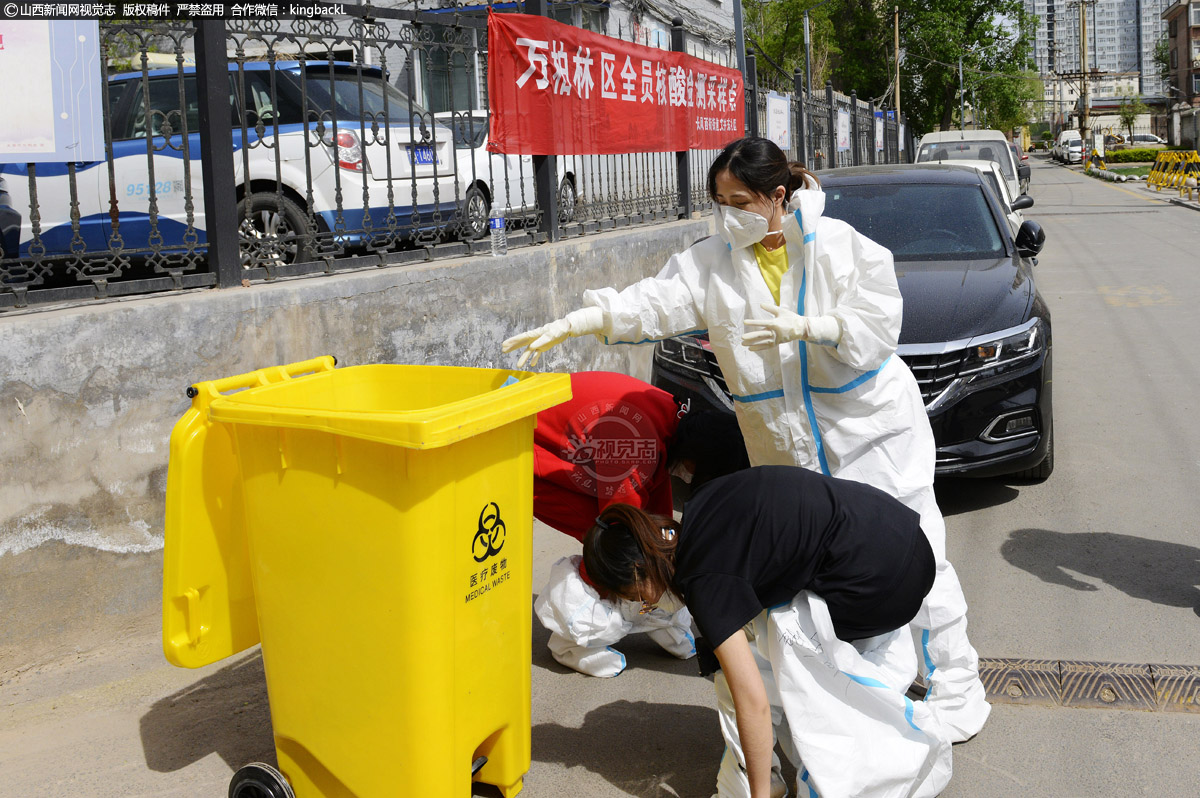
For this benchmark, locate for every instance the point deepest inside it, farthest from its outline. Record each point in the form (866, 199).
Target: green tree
(994, 38)
(1130, 109)
(850, 42)
(1162, 56)
(775, 28)
(862, 60)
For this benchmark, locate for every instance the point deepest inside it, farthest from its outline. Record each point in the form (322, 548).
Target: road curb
(1182, 203)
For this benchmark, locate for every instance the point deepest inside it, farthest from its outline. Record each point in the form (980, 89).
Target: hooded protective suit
(851, 410)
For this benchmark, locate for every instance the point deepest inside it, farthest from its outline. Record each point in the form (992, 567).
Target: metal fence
(355, 142)
(815, 138)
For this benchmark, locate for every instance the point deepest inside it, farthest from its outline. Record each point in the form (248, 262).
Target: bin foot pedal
(477, 764)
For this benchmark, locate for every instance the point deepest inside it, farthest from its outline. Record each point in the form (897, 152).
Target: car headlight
(985, 358)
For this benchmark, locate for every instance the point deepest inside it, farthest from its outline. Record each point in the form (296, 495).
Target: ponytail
(801, 178)
(627, 546)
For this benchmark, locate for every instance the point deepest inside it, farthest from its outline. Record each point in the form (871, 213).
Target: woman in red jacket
(615, 442)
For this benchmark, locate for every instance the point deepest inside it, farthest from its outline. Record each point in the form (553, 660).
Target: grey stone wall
(88, 397)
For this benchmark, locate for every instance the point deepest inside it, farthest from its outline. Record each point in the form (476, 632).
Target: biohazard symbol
(489, 538)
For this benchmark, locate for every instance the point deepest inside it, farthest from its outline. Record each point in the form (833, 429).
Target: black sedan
(976, 332)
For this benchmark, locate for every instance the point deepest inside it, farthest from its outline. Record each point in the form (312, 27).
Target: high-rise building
(1121, 36)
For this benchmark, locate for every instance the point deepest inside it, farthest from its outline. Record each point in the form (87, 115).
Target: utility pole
(807, 46)
(896, 20)
(807, 54)
(740, 36)
(1083, 69)
(962, 98)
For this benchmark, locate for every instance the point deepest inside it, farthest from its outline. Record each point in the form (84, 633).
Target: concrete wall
(88, 397)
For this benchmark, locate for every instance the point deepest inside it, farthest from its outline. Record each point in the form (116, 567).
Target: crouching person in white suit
(616, 441)
(805, 585)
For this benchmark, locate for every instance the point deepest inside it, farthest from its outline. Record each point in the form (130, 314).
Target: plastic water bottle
(499, 233)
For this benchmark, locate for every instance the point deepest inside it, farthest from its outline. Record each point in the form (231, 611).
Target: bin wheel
(259, 780)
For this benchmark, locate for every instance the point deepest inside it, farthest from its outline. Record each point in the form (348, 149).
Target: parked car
(485, 178)
(976, 332)
(1145, 140)
(1024, 171)
(973, 145)
(1068, 147)
(372, 162)
(10, 223)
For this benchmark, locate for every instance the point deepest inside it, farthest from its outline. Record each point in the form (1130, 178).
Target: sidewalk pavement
(120, 721)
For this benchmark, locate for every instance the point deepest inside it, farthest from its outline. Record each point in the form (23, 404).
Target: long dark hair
(627, 546)
(761, 166)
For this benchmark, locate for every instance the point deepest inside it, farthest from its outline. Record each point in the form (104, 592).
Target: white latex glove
(586, 321)
(790, 326)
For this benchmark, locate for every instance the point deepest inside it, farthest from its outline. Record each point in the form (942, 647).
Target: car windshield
(994, 151)
(920, 221)
(340, 94)
(469, 130)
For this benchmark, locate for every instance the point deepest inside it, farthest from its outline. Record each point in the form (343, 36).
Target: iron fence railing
(357, 141)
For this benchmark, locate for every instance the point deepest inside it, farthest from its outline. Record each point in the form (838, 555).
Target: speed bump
(1107, 684)
(1093, 685)
(1177, 687)
(1022, 681)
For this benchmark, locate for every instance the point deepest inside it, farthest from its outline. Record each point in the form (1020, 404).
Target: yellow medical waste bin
(372, 526)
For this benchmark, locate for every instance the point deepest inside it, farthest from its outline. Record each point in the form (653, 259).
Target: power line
(982, 72)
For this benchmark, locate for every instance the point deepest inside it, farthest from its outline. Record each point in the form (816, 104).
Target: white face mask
(681, 471)
(740, 228)
(669, 603)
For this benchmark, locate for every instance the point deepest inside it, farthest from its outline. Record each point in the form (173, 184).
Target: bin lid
(208, 597)
(209, 611)
(416, 407)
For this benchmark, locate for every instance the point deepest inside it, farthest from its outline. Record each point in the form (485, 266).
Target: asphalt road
(1099, 563)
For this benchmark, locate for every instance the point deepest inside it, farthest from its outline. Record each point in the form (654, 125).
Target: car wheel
(1042, 471)
(566, 201)
(273, 231)
(476, 210)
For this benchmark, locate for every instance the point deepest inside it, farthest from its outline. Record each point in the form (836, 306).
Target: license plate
(422, 155)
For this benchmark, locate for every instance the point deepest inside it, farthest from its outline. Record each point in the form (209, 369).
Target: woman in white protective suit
(803, 584)
(803, 315)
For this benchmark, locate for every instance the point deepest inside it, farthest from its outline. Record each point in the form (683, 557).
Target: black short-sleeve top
(755, 539)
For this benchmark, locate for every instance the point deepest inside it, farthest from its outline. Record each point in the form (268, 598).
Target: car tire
(566, 201)
(272, 228)
(1042, 471)
(476, 211)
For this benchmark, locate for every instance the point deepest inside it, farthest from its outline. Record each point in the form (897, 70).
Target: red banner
(555, 89)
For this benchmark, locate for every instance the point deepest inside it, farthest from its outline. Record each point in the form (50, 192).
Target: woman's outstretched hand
(586, 321)
(786, 325)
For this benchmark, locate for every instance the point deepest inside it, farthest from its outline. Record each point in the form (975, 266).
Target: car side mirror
(1022, 202)
(1030, 238)
(1023, 171)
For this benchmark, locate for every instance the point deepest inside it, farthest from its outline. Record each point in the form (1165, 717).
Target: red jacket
(607, 445)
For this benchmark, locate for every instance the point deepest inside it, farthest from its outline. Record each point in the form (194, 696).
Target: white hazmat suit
(584, 627)
(851, 410)
(839, 710)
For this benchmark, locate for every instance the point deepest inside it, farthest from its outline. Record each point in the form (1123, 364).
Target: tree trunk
(948, 99)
